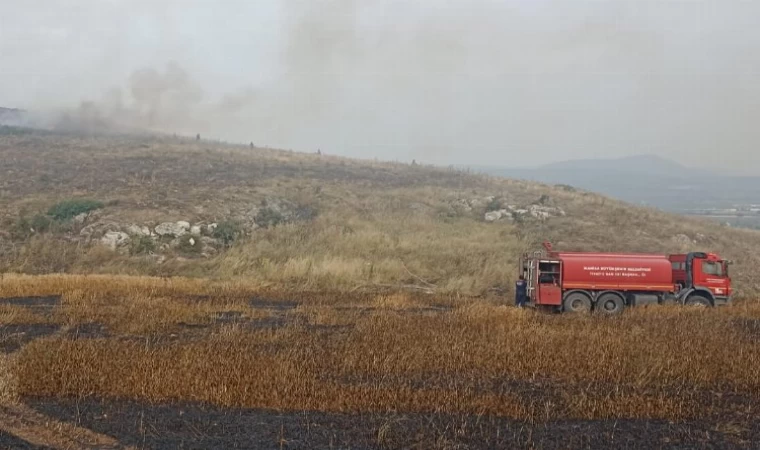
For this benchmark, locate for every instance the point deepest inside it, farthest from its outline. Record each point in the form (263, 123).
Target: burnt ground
(201, 427)
(12, 442)
(195, 426)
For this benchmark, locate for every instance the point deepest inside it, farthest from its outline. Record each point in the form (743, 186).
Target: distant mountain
(644, 164)
(644, 179)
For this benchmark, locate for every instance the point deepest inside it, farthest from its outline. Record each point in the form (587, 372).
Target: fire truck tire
(609, 304)
(698, 300)
(577, 302)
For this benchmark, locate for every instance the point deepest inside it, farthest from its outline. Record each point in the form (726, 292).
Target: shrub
(228, 231)
(25, 226)
(71, 208)
(40, 223)
(143, 245)
(268, 217)
(494, 205)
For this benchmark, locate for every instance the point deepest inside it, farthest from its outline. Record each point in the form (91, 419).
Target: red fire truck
(609, 282)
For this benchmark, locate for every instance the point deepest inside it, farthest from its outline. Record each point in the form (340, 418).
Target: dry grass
(8, 380)
(393, 353)
(380, 225)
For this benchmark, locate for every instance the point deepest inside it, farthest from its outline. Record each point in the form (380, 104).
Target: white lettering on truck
(614, 271)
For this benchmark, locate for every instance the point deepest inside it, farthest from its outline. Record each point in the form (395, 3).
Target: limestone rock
(136, 230)
(502, 214)
(115, 239)
(175, 229)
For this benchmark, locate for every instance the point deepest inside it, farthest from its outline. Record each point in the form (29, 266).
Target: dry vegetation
(236, 346)
(378, 225)
(379, 305)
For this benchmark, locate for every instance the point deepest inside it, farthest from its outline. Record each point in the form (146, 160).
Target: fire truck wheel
(698, 300)
(610, 304)
(577, 302)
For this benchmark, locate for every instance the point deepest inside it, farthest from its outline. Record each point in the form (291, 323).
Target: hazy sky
(505, 82)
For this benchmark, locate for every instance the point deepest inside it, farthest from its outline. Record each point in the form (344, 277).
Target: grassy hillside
(304, 221)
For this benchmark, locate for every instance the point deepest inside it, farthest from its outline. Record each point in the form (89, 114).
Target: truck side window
(712, 268)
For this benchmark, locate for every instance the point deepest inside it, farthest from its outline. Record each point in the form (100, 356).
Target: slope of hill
(174, 206)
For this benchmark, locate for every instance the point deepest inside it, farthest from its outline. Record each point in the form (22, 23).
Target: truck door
(713, 276)
(549, 283)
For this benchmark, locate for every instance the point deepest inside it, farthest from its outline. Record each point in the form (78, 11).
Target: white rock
(136, 230)
(195, 230)
(172, 229)
(545, 212)
(115, 239)
(80, 218)
(493, 216)
(506, 214)
(191, 242)
(210, 228)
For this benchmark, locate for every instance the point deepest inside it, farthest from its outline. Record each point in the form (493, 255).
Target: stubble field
(373, 369)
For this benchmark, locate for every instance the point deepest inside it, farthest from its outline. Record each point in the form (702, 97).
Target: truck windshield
(712, 268)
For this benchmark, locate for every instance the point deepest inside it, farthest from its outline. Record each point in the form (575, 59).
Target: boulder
(543, 212)
(195, 230)
(211, 228)
(493, 216)
(135, 230)
(461, 204)
(115, 239)
(175, 229)
(86, 217)
(98, 229)
(210, 246)
(502, 214)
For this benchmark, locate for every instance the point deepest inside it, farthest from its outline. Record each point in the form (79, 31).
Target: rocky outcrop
(542, 212)
(502, 214)
(136, 230)
(173, 229)
(115, 239)
(534, 211)
(98, 230)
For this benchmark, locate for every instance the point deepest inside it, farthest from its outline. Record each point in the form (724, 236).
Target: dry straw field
(386, 311)
(179, 341)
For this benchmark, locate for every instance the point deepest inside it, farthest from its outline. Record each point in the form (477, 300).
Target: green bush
(494, 205)
(71, 208)
(228, 231)
(143, 245)
(268, 217)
